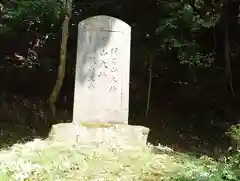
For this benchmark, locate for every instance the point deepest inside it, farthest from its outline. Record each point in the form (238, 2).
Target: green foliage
(179, 28)
(229, 169)
(36, 20)
(31, 14)
(234, 132)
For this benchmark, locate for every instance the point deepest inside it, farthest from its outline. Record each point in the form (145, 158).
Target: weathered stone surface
(112, 135)
(102, 70)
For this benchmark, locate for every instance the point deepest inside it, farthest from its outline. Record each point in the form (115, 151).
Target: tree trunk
(228, 68)
(149, 83)
(62, 65)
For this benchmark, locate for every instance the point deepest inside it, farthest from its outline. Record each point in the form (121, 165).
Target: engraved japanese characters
(107, 67)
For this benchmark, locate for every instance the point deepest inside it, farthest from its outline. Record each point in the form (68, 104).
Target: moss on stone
(97, 124)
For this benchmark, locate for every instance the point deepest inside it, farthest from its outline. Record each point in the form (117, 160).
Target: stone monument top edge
(98, 18)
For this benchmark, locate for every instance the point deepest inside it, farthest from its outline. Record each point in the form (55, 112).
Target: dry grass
(53, 161)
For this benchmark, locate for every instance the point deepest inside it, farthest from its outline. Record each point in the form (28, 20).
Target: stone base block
(114, 135)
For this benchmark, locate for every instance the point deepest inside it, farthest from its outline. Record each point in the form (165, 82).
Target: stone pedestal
(112, 135)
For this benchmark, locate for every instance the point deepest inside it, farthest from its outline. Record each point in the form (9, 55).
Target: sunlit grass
(53, 161)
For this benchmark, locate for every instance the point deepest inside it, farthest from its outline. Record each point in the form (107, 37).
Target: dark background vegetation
(192, 103)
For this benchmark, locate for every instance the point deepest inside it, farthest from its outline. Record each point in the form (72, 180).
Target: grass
(53, 161)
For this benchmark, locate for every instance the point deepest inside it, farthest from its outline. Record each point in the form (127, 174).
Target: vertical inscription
(113, 70)
(102, 63)
(91, 70)
(91, 80)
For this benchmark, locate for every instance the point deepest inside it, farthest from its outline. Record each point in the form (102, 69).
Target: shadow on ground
(187, 134)
(12, 134)
(22, 120)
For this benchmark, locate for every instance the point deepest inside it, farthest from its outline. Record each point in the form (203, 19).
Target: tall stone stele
(102, 71)
(101, 93)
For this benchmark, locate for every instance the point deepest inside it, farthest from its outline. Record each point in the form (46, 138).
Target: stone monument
(102, 71)
(101, 93)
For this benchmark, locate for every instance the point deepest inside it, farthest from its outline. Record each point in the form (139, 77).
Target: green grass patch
(53, 161)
